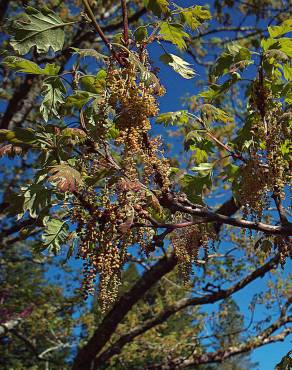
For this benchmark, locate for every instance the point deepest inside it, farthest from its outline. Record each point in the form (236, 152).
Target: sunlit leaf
(94, 84)
(194, 16)
(284, 44)
(26, 66)
(205, 167)
(179, 65)
(173, 118)
(55, 234)
(174, 33)
(214, 113)
(280, 30)
(90, 53)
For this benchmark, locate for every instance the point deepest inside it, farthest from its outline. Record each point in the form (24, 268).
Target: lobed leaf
(280, 30)
(214, 113)
(194, 16)
(235, 57)
(174, 33)
(53, 92)
(55, 234)
(90, 53)
(179, 65)
(173, 118)
(42, 29)
(65, 177)
(27, 66)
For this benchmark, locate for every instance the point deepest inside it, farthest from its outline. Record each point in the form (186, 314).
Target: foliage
(89, 177)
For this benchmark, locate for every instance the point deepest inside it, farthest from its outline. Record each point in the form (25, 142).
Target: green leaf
(33, 199)
(55, 234)
(65, 177)
(174, 33)
(231, 171)
(285, 27)
(214, 113)
(216, 90)
(140, 34)
(194, 16)
(200, 155)
(42, 29)
(90, 53)
(173, 118)
(53, 92)
(26, 66)
(179, 65)
(235, 57)
(158, 7)
(203, 167)
(284, 44)
(76, 135)
(287, 70)
(20, 136)
(94, 84)
(193, 186)
(78, 99)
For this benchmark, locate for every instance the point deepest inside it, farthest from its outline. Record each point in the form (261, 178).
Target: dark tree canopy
(168, 212)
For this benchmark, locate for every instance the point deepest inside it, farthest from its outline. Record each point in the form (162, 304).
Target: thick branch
(181, 304)
(86, 355)
(172, 203)
(229, 208)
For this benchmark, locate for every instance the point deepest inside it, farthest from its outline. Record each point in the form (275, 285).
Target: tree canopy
(168, 212)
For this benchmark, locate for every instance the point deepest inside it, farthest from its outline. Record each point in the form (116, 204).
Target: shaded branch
(86, 355)
(100, 32)
(125, 22)
(265, 337)
(183, 303)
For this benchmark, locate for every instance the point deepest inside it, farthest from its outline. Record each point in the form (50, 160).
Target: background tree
(80, 96)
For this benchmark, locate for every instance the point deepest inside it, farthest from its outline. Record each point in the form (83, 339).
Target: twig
(100, 32)
(280, 208)
(125, 22)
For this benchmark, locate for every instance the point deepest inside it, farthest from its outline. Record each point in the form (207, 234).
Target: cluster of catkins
(105, 223)
(134, 102)
(267, 170)
(187, 243)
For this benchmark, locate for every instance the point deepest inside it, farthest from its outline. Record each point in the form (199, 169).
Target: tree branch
(100, 32)
(181, 304)
(260, 340)
(171, 202)
(125, 22)
(86, 355)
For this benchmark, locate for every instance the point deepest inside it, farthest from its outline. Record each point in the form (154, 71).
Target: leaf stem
(91, 16)
(125, 22)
